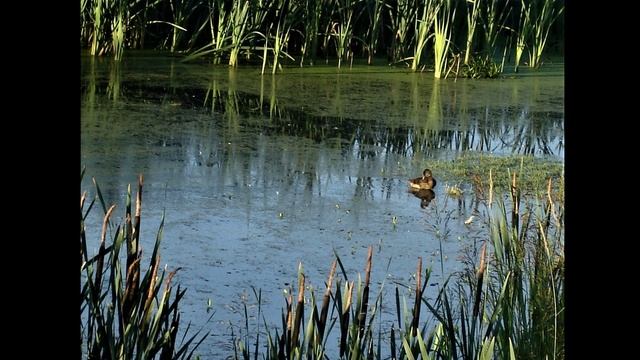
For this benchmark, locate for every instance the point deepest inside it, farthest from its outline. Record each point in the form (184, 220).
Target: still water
(258, 173)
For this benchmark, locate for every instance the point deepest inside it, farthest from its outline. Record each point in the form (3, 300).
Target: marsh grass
(402, 17)
(443, 28)
(533, 173)
(473, 16)
(546, 12)
(424, 23)
(135, 316)
(243, 30)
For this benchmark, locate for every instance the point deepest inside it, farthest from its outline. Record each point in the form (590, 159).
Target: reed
(312, 13)
(523, 31)
(494, 18)
(181, 11)
(243, 30)
(97, 46)
(402, 17)
(442, 32)
(542, 20)
(239, 30)
(134, 316)
(430, 9)
(473, 15)
(342, 29)
(372, 36)
(119, 27)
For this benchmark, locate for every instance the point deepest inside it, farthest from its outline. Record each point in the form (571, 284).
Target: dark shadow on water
(425, 196)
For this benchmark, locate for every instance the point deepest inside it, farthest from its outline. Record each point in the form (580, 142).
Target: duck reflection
(425, 196)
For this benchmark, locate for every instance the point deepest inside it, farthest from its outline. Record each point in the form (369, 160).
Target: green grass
(533, 173)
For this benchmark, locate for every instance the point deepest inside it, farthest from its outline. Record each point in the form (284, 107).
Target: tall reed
(473, 15)
(134, 316)
(430, 9)
(342, 29)
(443, 31)
(181, 11)
(541, 23)
(494, 18)
(119, 28)
(522, 34)
(372, 36)
(402, 18)
(312, 13)
(239, 30)
(97, 34)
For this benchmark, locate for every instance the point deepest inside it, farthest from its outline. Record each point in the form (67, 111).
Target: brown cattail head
(368, 267)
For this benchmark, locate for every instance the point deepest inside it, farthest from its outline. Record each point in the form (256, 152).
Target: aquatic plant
(494, 18)
(480, 68)
(134, 316)
(181, 11)
(292, 29)
(430, 9)
(542, 19)
(443, 31)
(473, 15)
(402, 18)
(372, 36)
(312, 13)
(342, 29)
(239, 30)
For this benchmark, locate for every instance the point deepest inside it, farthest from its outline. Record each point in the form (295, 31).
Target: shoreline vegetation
(508, 303)
(451, 38)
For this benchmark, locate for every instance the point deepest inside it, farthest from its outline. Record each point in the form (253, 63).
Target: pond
(258, 173)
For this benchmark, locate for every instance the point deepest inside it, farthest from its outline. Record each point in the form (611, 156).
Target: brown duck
(425, 182)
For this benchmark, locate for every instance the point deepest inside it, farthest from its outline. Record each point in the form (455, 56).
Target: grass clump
(533, 173)
(480, 67)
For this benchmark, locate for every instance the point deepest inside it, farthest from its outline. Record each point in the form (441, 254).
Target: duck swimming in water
(425, 182)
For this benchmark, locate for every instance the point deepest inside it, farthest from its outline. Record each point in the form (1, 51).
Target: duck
(425, 182)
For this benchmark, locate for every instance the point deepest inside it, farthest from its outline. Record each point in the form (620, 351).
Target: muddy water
(257, 173)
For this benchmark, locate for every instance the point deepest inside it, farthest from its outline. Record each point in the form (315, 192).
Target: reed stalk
(312, 13)
(524, 28)
(135, 316)
(402, 17)
(494, 18)
(374, 10)
(541, 24)
(239, 30)
(342, 29)
(430, 9)
(443, 31)
(473, 15)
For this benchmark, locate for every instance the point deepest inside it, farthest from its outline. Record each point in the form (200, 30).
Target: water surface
(257, 173)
